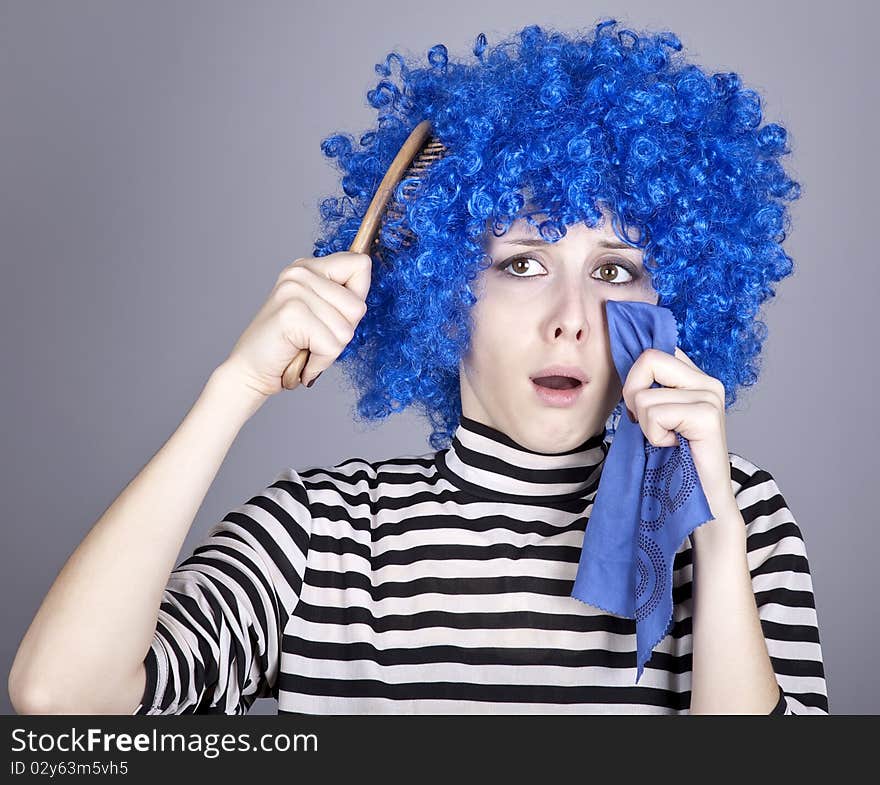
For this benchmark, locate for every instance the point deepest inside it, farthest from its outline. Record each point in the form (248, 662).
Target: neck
(490, 465)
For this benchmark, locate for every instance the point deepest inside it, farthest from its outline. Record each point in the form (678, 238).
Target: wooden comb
(419, 151)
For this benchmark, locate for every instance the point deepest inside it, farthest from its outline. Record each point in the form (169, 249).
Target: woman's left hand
(691, 403)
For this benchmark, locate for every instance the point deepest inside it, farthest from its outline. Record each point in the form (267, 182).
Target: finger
(322, 344)
(692, 419)
(645, 398)
(361, 275)
(684, 358)
(340, 297)
(662, 429)
(324, 312)
(710, 382)
(655, 365)
(352, 270)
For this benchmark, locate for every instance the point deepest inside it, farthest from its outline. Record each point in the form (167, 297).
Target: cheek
(491, 348)
(495, 349)
(638, 294)
(493, 322)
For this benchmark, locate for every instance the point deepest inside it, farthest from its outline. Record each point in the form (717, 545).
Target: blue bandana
(648, 501)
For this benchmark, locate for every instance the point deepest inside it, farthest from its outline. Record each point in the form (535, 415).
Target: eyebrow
(537, 243)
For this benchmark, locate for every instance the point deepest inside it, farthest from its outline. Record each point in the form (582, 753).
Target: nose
(572, 315)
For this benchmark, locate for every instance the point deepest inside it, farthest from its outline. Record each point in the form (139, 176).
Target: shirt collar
(489, 464)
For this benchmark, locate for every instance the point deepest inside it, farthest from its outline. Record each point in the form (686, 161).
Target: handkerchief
(648, 501)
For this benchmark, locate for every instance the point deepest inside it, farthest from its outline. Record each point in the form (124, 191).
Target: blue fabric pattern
(648, 501)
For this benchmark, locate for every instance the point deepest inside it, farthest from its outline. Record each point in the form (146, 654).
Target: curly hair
(561, 124)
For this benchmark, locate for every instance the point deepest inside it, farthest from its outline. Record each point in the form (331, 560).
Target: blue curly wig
(561, 124)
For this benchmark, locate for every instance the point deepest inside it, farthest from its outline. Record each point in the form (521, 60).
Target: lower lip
(561, 398)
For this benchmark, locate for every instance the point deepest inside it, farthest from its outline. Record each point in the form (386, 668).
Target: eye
(518, 261)
(609, 265)
(521, 264)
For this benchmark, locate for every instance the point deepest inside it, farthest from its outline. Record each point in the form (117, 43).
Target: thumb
(352, 270)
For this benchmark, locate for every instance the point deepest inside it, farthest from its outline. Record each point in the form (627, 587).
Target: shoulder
(765, 511)
(751, 482)
(745, 474)
(356, 475)
(755, 489)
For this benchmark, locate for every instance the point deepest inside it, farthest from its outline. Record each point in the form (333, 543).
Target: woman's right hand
(316, 304)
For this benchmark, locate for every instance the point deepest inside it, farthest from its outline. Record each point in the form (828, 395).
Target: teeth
(557, 382)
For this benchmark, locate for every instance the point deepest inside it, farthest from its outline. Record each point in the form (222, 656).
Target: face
(540, 305)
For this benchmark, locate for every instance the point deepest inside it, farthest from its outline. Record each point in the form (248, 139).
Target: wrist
(726, 531)
(225, 384)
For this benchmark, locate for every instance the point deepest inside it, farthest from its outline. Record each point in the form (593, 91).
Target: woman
(580, 171)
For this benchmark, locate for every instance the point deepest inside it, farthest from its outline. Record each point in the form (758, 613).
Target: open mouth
(557, 382)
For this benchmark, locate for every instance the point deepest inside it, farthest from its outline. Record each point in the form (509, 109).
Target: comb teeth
(432, 151)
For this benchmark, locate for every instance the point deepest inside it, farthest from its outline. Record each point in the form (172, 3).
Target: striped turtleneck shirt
(441, 583)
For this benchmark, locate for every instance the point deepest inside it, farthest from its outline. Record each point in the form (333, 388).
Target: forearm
(96, 623)
(732, 672)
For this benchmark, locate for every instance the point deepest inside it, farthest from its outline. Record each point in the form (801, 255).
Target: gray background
(160, 164)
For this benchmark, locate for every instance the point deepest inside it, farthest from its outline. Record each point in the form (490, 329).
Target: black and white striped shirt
(441, 583)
